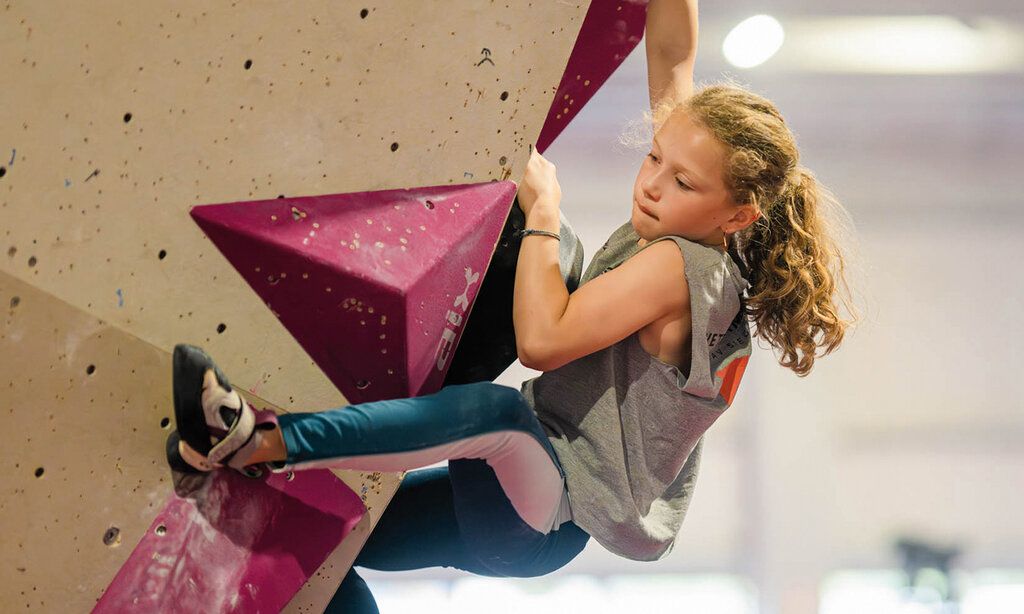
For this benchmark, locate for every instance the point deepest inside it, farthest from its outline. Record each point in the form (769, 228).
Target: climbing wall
(121, 117)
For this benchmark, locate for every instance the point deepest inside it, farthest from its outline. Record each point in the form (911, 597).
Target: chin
(641, 219)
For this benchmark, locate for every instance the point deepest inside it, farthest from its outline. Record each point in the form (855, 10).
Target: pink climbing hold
(610, 31)
(237, 544)
(375, 286)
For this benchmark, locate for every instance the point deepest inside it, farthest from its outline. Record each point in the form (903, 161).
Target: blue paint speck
(11, 163)
(67, 182)
(120, 298)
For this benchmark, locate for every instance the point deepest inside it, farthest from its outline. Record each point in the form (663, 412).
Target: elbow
(528, 357)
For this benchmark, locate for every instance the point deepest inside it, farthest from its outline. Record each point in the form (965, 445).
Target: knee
(493, 404)
(509, 403)
(495, 394)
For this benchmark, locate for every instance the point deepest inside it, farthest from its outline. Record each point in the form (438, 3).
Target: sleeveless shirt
(627, 427)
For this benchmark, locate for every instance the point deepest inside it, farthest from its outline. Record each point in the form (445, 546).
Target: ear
(744, 216)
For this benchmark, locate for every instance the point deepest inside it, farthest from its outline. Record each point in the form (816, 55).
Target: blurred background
(891, 479)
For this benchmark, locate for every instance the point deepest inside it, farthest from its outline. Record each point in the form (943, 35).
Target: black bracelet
(530, 231)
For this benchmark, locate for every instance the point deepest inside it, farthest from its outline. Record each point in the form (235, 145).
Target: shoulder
(663, 266)
(665, 257)
(692, 257)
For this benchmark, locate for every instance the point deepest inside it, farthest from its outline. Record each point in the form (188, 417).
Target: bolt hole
(394, 147)
(127, 117)
(504, 95)
(3, 171)
(248, 64)
(221, 327)
(289, 476)
(15, 301)
(165, 423)
(363, 384)
(32, 261)
(90, 369)
(428, 204)
(39, 472)
(161, 530)
(162, 254)
(363, 13)
(111, 537)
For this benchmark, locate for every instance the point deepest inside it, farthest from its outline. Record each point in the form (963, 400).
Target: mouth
(641, 207)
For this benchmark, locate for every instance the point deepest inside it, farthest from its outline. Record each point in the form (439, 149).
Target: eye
(679, 183)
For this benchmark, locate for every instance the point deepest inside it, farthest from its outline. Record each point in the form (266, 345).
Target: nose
(648, 187)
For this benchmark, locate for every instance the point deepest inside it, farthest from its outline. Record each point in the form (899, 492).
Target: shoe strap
(240, 457)
(241, 432)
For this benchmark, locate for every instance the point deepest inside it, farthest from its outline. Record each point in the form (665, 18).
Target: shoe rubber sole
(190, 364)
(174, 459)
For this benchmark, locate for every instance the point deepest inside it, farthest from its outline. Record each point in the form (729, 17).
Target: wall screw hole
(112, 536)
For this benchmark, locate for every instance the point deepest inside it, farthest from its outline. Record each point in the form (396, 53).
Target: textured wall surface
(119, 117)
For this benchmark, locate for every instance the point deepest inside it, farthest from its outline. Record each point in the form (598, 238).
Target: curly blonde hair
(790, 254)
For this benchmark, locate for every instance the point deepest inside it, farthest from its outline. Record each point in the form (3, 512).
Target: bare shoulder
(667, 265)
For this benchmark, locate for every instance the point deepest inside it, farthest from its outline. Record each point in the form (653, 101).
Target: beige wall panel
(111, 270)
(88, 408)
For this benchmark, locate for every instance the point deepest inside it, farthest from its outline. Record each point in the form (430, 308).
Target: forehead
(688, 144)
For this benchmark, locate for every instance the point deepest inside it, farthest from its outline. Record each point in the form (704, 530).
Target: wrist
(543, 216)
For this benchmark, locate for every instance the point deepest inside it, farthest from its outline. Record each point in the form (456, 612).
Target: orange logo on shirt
(731, 377)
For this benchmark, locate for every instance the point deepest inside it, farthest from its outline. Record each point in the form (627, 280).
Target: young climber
(725, 228)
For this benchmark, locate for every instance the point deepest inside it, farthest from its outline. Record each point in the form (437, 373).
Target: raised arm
(671, 41)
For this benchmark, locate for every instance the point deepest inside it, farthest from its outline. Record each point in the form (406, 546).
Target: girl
(637, 363)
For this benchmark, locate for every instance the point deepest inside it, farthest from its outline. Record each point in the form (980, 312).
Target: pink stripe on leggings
(523, 468)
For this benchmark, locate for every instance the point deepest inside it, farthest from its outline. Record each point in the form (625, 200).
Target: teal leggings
(457, 516)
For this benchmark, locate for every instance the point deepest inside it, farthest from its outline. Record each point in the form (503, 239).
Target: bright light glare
(753, 41)
(994, 599)
(926, 44)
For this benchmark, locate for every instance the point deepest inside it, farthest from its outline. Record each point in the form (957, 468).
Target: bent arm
(671, 43)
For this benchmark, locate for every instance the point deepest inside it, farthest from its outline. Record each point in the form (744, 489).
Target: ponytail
(794, 267)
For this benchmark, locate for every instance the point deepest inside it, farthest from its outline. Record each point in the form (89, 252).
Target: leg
(481, 420)
(497, 534)
(417, 530)
(456, 516)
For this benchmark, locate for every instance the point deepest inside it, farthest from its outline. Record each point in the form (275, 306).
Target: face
(680, 184)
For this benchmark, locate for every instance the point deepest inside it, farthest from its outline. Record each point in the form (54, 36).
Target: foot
(271, 449)
(217, 426)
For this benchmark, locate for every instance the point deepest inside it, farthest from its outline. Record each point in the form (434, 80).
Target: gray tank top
(628, 428)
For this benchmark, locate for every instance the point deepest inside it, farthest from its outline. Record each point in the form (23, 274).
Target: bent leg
(481, 420)
(496, 533)
(418, 529)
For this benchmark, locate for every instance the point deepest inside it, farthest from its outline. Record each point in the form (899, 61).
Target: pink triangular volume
(376, 286)
(609, 33)
(236, 544)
